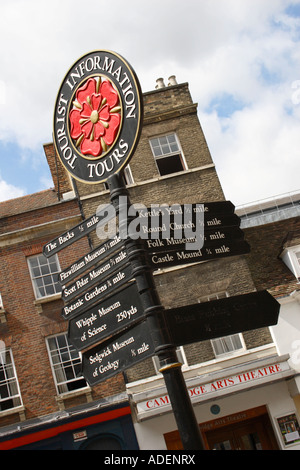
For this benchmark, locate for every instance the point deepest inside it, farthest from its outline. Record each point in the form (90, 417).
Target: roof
(273, 209)
(27, 203)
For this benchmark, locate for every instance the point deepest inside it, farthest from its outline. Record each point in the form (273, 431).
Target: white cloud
(8, 191)
(257, 149)
(248, 50)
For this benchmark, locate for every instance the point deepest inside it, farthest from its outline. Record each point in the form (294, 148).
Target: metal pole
(154, 311)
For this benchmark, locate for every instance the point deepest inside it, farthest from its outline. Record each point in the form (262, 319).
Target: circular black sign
(97, 116)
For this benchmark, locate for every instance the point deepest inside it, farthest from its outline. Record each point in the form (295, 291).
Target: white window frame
(128, 175)
(224, 341)
(215, 296)
(162, 155)
(291, 257)
(34, 277)
(64, 384)
(9, 380)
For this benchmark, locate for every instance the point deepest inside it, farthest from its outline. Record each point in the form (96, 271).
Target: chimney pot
(172, 80)
(160, 83)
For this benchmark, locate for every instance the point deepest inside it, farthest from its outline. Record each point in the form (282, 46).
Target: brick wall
(267, 241)
(60, 177)
(26, 216)
(29, 322)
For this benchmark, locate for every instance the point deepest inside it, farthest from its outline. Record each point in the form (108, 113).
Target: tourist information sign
(117, 354)
(96, 127)
(97, 116)
(221, 317)
(113, 314)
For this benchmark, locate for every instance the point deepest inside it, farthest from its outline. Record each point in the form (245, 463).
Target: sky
(241, 59)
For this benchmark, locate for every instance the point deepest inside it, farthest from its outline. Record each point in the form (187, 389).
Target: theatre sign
(149, 403)
(97, 116)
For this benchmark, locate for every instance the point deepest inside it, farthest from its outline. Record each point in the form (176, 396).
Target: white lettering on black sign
(106, 318)
(104, 361)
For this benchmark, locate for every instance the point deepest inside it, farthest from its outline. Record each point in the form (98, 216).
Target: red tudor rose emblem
(96, 117)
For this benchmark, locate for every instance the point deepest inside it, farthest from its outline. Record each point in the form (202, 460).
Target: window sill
(87, 391)
(2, 316)
(38, 303)
(20, 410)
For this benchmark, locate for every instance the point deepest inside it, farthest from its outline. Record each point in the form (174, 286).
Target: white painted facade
(256, 378)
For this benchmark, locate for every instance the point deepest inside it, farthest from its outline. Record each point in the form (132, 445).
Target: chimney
(172, 80)
(160, 83)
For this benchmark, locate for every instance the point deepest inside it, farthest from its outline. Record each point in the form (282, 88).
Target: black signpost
(116, 317)
(156, 324)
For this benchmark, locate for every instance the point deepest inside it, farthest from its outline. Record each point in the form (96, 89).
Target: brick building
(237, 384)
(43, 402)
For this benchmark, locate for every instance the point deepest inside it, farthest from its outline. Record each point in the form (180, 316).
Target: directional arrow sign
(111, 316)
(116, 355)
(103, 215)
(209, 238)
(222, 317)
(191, 224)
(174, 258)
(98, 292)
(102, 271)
(220, 207)
(85, 262)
